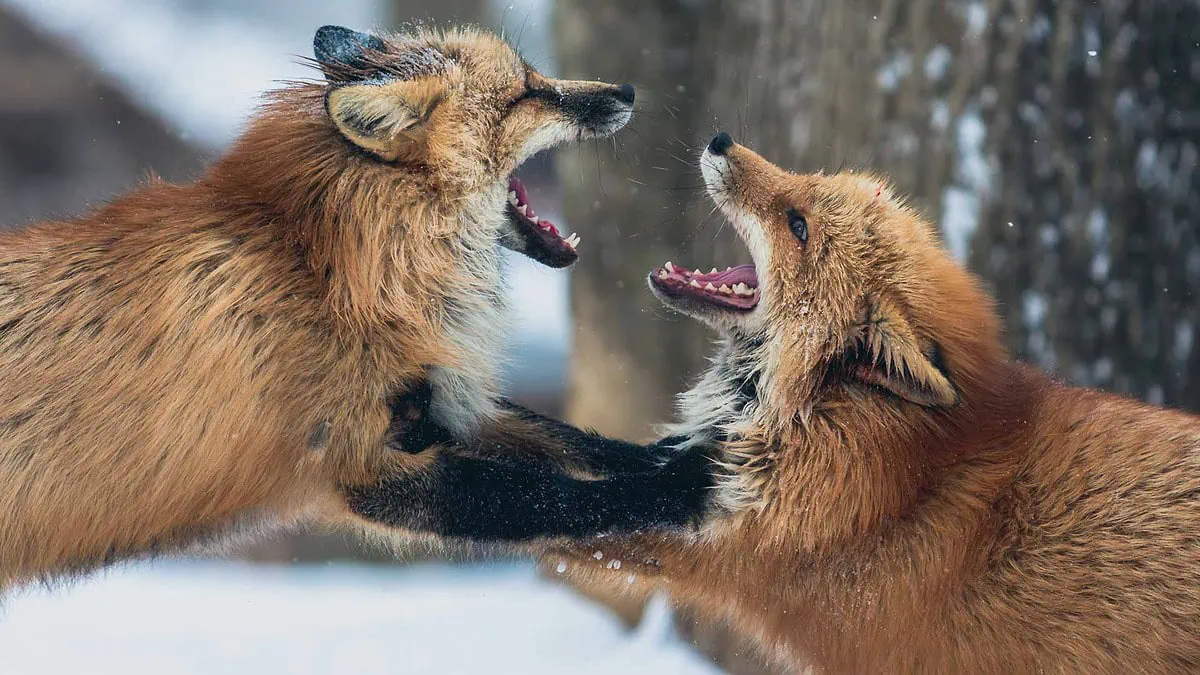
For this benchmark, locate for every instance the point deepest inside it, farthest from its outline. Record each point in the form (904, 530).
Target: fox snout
(600, 109)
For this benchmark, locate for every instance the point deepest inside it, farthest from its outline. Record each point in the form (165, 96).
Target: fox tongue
(742, 274)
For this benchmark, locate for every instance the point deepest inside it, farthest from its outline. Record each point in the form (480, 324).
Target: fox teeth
(523, 210)
(709, 287)
(714, 271)
(512, 198)
(725, 289)
(573, 241)
(694, 284)
(742, 289)
(662, 274)
(669, 267)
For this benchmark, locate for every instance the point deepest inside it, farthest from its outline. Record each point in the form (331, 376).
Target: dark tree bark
(1089, 232)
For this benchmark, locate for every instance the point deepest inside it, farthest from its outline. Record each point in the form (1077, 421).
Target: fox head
(851, 293)
(396, 165)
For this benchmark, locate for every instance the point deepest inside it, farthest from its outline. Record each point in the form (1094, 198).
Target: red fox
(892, 492)
(193, 361)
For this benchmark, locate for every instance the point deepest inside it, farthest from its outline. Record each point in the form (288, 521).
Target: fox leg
(520, 430)
(595, 452)
(517, 488)
(517, 500)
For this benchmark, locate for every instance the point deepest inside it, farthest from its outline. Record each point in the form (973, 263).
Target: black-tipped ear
(335, 46)
(885, 351)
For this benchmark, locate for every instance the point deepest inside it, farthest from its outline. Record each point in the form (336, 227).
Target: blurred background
(1054, 141)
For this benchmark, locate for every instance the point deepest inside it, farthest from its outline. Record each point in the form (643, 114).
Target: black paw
(412, 428)
(686, 482)
(666, 449)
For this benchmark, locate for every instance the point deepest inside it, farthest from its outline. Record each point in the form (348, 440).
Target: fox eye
(798, 224)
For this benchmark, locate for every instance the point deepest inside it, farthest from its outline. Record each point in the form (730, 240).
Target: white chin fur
(557, 133)
(549, 136)
(718, 174)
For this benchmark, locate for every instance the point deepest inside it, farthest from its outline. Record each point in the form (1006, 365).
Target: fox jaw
(837, 303)
(460, 111)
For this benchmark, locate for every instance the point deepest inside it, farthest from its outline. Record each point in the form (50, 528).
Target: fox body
(896, 494)
(191, 361)
(887, 490)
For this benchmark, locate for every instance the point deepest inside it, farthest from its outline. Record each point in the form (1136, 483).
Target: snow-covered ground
(184, 617)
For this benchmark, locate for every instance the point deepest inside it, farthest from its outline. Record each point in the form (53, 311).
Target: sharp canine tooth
(726, 289)
(523, 209)
(670, 267)
(727, 269)
(512, 198)
(714, 271)
(694, 283)
(709, 287)
(662, 274)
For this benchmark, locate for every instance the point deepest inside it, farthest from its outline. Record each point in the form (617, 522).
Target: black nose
(625, 93)
(720, 143)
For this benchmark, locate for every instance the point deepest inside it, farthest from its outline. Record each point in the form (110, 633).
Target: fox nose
(625, 93)
(720, 143)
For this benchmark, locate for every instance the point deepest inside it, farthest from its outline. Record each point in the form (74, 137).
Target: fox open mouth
(535, 237)
(735, 289)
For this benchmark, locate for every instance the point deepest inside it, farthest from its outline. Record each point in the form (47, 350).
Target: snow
(962, 202)
(185, 617)
(1184, 338)
(202, 69)
(1034, 307)
(976, 19)
(960, 217)
(891, 73)
(937, 62)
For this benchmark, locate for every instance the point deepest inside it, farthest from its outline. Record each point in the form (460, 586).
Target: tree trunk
(1089, 231)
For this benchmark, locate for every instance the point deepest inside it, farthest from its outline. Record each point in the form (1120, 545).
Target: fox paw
(411, 428)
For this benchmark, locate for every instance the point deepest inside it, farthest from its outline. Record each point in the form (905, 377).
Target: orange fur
(1017, 525)
(193, 360)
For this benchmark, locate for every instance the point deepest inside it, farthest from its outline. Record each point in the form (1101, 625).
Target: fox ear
(387, 119)
(886, 352)
(338, 50)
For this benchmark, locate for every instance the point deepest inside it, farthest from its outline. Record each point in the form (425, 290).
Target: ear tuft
(337, 48)
(885, 351)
